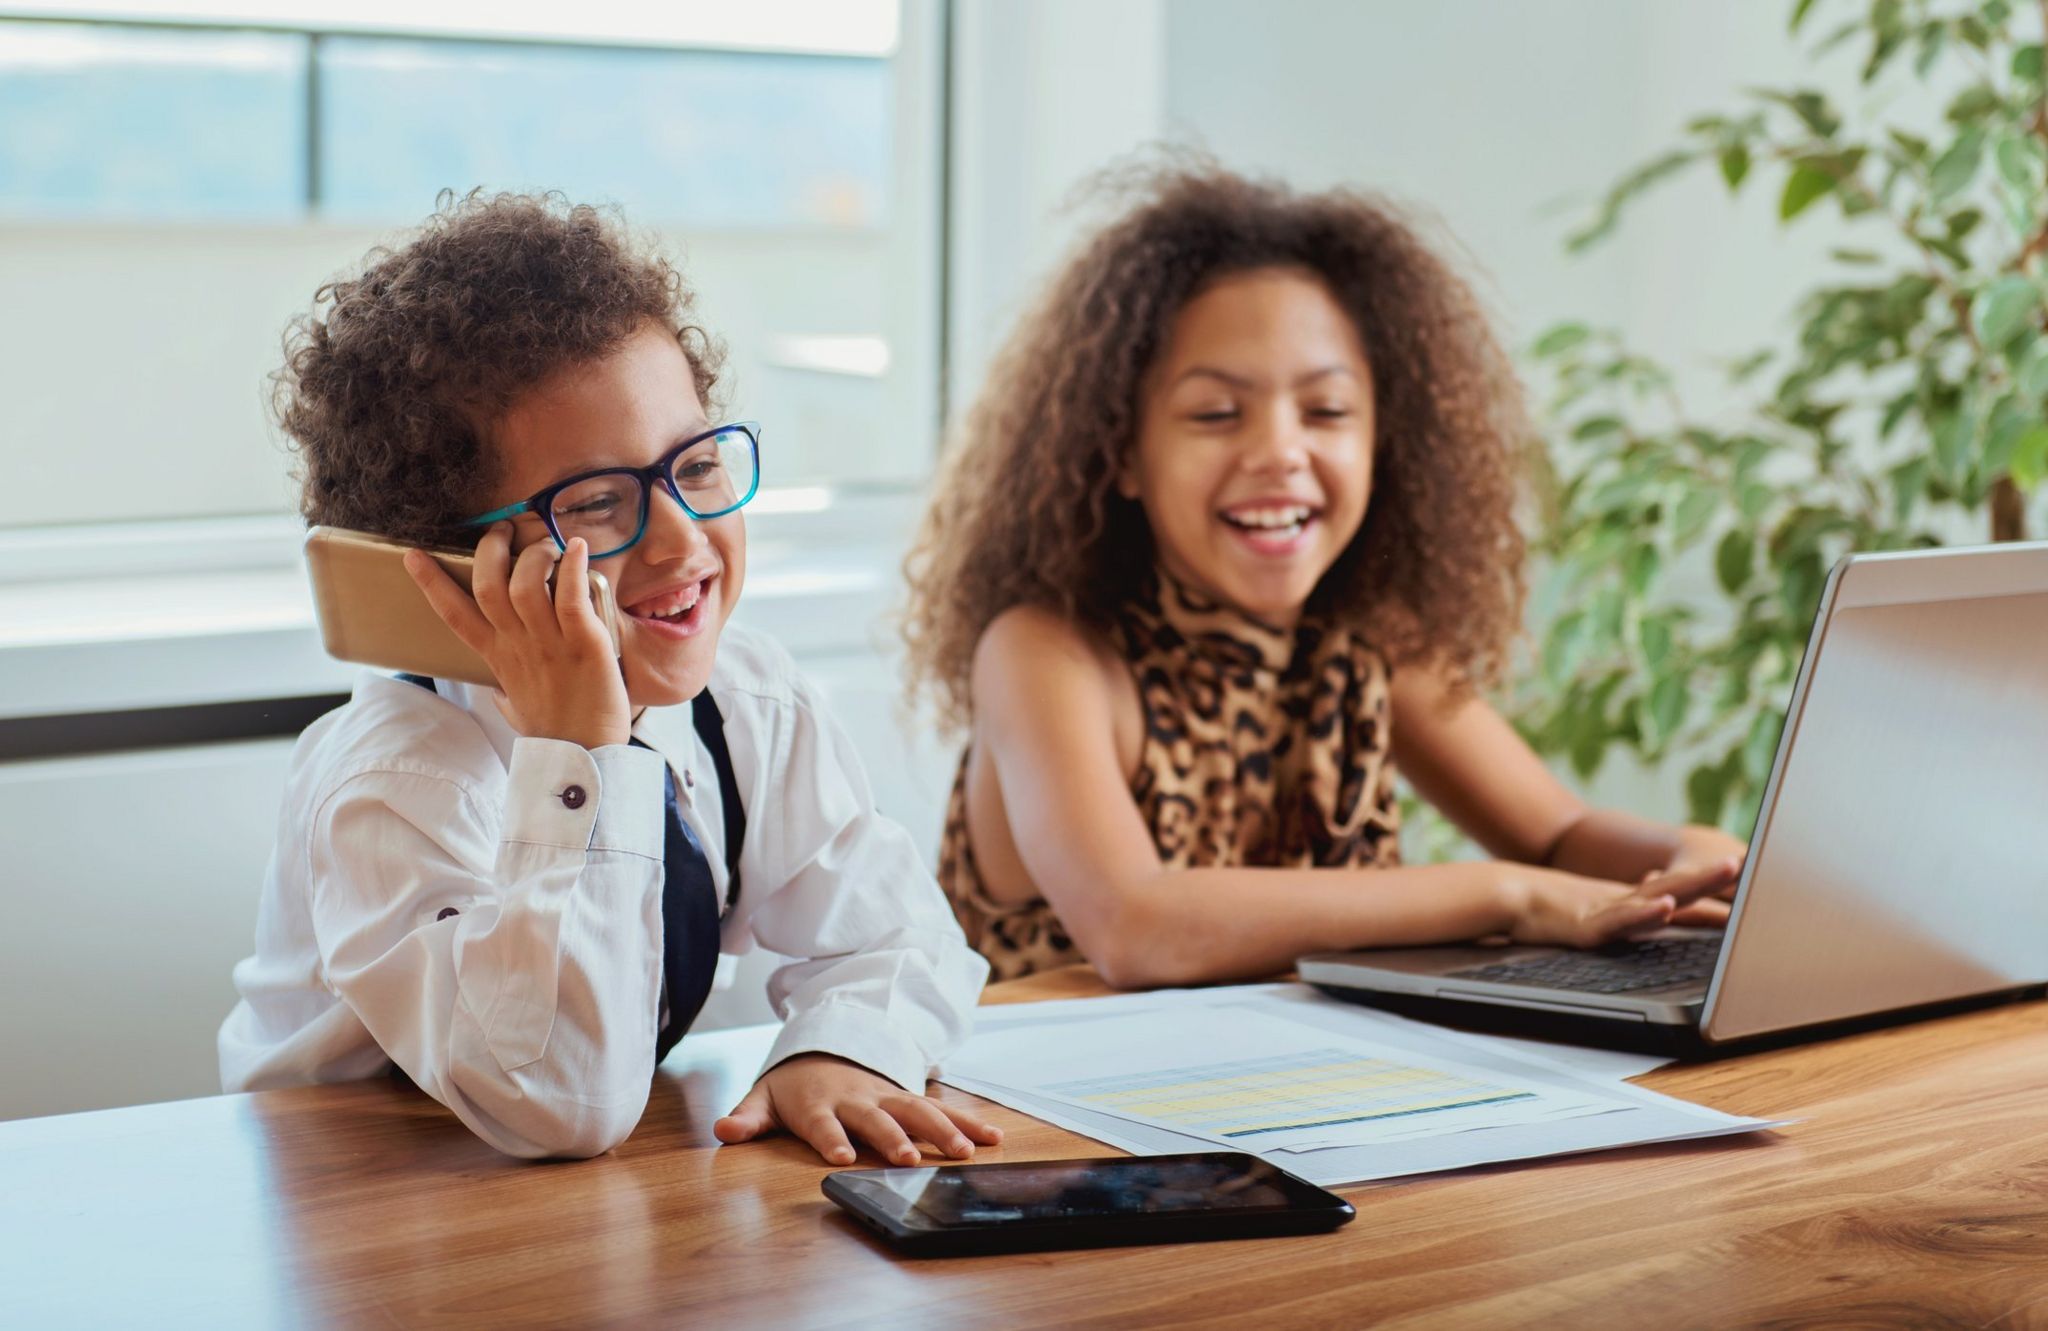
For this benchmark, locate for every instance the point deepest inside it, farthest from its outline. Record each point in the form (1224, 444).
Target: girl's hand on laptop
(1568, 910)
(822, 1098)
(557, 675)
(1699, 846)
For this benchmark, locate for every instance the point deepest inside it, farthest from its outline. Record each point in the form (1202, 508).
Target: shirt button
(573, 797)
(446, 912)
(689, 779)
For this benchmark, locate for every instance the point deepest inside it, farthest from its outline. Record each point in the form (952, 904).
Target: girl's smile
(1276, 527)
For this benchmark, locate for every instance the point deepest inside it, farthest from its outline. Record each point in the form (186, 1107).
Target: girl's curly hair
(389, 383)
(1026, 512)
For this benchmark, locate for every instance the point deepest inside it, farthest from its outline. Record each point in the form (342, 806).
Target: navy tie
(689, 922)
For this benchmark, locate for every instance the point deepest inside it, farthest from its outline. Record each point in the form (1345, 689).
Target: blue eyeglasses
(710, 475)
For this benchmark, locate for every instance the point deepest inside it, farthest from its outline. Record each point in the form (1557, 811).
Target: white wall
(1045, 93)
(131, 883)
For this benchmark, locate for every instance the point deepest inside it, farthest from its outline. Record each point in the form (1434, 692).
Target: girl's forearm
(1617, 846)
(1192, 926)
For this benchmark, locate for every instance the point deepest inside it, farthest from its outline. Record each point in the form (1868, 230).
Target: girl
(1230, 535)
(518, 897)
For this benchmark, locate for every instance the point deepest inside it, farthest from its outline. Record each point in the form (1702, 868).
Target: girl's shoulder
(1031, 639)
(1033, 666)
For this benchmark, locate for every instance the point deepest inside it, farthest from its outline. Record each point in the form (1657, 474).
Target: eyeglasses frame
(542, 502)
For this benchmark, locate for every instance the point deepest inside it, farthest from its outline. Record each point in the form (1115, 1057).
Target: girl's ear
(1127, 475)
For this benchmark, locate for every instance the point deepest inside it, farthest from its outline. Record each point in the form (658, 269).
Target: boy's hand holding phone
(558, 677)
(821, 1099)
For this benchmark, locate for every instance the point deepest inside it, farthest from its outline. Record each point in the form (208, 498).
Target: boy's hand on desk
(822, 1099)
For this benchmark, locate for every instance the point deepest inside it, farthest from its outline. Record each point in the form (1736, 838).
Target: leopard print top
(1261, 747)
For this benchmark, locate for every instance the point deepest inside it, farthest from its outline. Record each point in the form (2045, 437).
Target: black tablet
(961, 1209)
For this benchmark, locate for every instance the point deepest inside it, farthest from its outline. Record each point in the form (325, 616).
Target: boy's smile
(677, 586)
(1254, 453)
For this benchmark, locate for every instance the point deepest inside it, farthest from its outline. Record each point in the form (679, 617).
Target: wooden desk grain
(1913, 1194)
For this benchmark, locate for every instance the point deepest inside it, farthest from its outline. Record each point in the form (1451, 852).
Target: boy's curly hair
(389, 383)
(1026, 511)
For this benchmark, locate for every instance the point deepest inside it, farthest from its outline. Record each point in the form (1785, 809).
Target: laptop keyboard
(1616, 969)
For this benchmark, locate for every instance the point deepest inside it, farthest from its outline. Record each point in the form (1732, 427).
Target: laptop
(1899, 864)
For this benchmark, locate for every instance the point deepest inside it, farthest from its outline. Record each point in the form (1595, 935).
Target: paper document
(1333, 1092)
(1599, 1064)
(1260, 1084)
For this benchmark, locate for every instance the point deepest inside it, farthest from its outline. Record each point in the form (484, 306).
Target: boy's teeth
(675, 611)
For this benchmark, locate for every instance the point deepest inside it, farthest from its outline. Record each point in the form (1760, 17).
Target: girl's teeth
(1271, 520)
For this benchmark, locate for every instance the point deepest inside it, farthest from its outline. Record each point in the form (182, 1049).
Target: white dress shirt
(483, 909)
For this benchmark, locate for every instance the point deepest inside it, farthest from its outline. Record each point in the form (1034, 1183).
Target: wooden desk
(1915, 1193)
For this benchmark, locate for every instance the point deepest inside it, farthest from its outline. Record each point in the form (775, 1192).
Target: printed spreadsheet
(1310, 1089)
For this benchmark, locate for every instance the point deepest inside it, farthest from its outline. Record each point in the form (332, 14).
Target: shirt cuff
(564, 795)
(858, 1034)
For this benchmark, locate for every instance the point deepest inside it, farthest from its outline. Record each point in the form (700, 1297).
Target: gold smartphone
(371, 612)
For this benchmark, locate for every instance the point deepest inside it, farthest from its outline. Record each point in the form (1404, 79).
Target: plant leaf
(1668, 699)
(1732, 560)
(1811, 107)
(1909, 485)
(2019, 164)
(1560, 338)
(1735, 165)
(2001, 310)
(1955, 169)
(1705, 790)
(1641, 570)
(1691, 516)
(2031, 378)
(1932, 38)
(1802, 187)
(1561, 648)
(1653, 635)
(2030, 457)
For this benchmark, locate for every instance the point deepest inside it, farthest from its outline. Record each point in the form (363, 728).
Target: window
(172, 194)
(727, 140)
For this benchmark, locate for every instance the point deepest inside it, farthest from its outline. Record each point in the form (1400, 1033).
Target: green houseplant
(1682, 563)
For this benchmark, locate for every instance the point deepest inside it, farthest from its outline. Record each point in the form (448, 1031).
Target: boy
(518, 896)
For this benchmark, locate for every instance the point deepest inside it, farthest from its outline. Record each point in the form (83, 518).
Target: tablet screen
(993, 1194)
